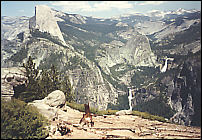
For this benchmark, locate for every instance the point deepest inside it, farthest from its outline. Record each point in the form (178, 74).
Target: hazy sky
(95, 8)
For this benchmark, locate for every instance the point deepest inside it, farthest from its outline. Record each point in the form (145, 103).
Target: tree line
(42, 82)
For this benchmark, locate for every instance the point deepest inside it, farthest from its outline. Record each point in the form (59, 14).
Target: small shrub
(21, 121)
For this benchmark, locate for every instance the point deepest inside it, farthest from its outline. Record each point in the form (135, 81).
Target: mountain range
(106, 57)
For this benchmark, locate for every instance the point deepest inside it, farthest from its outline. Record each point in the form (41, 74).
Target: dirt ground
(124, 127)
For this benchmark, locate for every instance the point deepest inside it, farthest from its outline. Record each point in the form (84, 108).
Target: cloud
(108, 5)
(72, 5)
(21, 11)
(151, 3)
(85, 6)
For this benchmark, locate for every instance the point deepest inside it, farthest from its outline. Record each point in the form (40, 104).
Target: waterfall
(130, 99)
(129, 111)
(165, 66)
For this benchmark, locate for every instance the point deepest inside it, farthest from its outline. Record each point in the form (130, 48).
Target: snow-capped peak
(180, 11)
(157, 13)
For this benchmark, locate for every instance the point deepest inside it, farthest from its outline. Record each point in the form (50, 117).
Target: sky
(102, 9)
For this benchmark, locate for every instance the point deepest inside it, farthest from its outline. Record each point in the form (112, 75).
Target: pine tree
(32, 89)
(54, 75)
(66, 87)
(45, 83)
(41, 84)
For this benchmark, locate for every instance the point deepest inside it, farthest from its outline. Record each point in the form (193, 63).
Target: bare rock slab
(124, 112)
(55, 98)
(49, 106)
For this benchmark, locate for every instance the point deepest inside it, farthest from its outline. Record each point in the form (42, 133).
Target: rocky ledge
(108, 126)
(123, 126)
(10, 78)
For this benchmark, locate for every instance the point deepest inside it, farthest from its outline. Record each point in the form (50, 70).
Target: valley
(105, 57)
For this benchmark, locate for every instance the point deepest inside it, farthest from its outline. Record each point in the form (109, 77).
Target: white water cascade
(130, 99)
(129, 111)
(165, 66)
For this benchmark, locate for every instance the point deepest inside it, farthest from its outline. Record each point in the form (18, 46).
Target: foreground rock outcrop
(51, 105)
(55, 98)
(124, 126)
(10, 78)
(124, 112)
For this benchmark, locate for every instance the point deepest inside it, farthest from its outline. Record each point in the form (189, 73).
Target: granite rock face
(55, 98)
(45, 21)
(124, 112)
(10, 78)
(182, 90)
(90, 86)
(186, 94)
(51, 105)
(136, 52)
(44, 109)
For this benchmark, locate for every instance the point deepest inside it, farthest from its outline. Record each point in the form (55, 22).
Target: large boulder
(51, 105)
(55, 98)
(44, 109)
(124, 112)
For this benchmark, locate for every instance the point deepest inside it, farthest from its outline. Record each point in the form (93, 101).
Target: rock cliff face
(86, 78)
(45, 21)
(182, 89)
(89, 85)
(186, 89)
(136, 52)
(11, 78)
